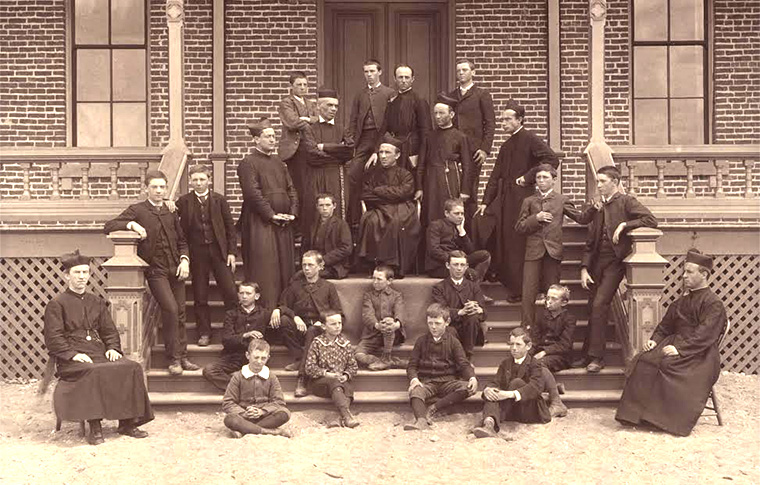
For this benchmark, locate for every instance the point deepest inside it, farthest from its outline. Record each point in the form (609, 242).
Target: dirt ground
(588, 446)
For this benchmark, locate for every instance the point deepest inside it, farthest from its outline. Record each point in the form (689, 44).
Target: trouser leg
(311, 332)
(467, 330)
(225, 278)
(168, 291)
(418, 407)
(607, 281)
(531, 275)
(550, 272)
(238, 423)
(220, 372)
(275, 419)
(200, 266)
(479, 261)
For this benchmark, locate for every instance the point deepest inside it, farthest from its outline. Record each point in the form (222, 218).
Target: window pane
(129, 125)
(687, 122)
(651, 20)
(129, 74)
(93, 124)
(650, 123)
(93, 75)
(686, 74)
(650, 72)
(91, 21)
(687, 21)
(128, 21)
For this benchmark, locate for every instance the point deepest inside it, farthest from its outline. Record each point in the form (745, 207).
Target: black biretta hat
(74, 259)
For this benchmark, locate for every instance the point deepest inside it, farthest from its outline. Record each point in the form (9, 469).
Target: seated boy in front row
(515, 393)
(435, 367)
(382, 314)
(253, 401)
(330, 366)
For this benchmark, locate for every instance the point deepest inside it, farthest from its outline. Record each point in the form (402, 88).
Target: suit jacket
(546, 237)
(290, 111)
(620, 208)
(189, 208)
(442, 238)
(337, 244)
(362, 104)
(529, 371)
(475, 117)
(454, 297)
(143, 214)
(309, 301)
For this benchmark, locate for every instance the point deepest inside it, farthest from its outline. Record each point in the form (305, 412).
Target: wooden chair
(47, 376)
(712, 403)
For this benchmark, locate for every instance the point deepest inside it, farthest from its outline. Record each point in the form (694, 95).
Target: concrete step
(159, 380)
(489, 355)
(364, 401)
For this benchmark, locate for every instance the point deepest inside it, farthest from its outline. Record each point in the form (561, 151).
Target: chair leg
(57, 424)
(716, 406)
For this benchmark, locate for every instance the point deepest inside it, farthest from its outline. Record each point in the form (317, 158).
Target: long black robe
(268, 247)
(670, 392)
(103, 389)
(408, 119)
(445, 171)
(519, 156)
(389, 231)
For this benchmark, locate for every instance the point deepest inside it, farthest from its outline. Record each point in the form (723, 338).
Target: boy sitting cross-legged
(253, 401)
(330, 366)
(515, 393)
(435, 367)
(382, 314)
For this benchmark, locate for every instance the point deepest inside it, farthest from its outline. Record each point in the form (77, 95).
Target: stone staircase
(389, 388)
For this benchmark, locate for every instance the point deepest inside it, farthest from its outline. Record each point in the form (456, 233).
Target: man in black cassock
(389, 231)
(445, 167)
(328, 149)
(512, 180)
(668, 383)
(96, 380)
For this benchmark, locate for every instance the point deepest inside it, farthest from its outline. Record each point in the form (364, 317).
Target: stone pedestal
(644, 275)
(126, 291)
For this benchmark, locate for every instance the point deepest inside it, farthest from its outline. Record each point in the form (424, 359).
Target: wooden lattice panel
(736, 280)
(27, 285)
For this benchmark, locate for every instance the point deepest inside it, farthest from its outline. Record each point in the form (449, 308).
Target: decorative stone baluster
(125, 288)
(748, 193)
(26, 194)
(85, 193)
(56, 181)
(690, 178)
(114, 167)
(721, 170)
(660, 164)
(632, 181)
(644, 281)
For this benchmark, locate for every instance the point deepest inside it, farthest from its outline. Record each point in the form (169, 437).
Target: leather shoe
(204, 341)
(416, 425)
(595, 366)
(96, 433)
(582, 362)
(557, 409)
(514, 299)
(301, 390)
(293, 366)
(133, 432)
(379, 365)
(187, 365)
(175, 368)
(488, 430)
(487, 299)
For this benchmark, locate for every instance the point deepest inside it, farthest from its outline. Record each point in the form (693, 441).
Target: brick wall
(264, 42)
(199, 46)
(159, 74)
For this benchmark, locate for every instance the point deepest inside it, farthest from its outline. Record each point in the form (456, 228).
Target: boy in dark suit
(464, 298)
(331, 236)
(515, 393)
(163, 246)
(541, 220)
(207, 222)
(437, 368)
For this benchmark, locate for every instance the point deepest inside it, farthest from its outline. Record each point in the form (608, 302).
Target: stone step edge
(364, 397)
(487, 284)
(495, 303)
(215, 325)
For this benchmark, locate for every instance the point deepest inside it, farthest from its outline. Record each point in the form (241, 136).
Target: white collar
(458, 282)
(517, 130)
(464, 89)
(322, 120)
(545, 194)
(300, 99)
(375, 86)
(201, 195)
(154, 204)
(405, 90)
(248, 373)
(247, 310)
(262, 151)
(520, 361)
(436, 340)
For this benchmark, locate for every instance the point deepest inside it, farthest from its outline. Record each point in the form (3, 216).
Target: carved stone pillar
(644, 275)
(175, 20)
(125, 289)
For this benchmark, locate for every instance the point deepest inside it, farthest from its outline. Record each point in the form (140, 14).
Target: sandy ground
(586, 447)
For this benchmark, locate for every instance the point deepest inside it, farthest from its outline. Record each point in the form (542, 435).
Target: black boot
(96, 432)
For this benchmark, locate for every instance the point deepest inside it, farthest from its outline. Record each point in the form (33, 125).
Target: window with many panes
(669, 72)
(109, 67)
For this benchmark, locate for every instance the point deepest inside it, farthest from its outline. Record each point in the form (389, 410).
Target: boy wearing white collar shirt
(540, 219)
(254, 402)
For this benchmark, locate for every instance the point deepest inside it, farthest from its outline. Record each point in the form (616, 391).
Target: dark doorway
(391, 32)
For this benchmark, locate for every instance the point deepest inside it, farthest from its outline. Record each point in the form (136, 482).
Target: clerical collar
(154, 204)
(520, 361)
(201, 195)
(322, 120)
(84, 290)
(248, 373)
(450, 125)
(464, 89)
(459, 281)
(375, 86)
(405, 90)
(546, 193)
(300, 99)
(262, 151)
(517, 130)
(700, 288)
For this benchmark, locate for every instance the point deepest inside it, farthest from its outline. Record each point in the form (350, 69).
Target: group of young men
(333, 189)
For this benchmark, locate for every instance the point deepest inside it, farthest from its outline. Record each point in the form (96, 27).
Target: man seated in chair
(96, 381)
(669, 382)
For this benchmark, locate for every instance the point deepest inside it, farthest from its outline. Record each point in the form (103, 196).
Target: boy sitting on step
(382, 314)
(435, 367)
(331, 365)
(253, 401)
(249, 321)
